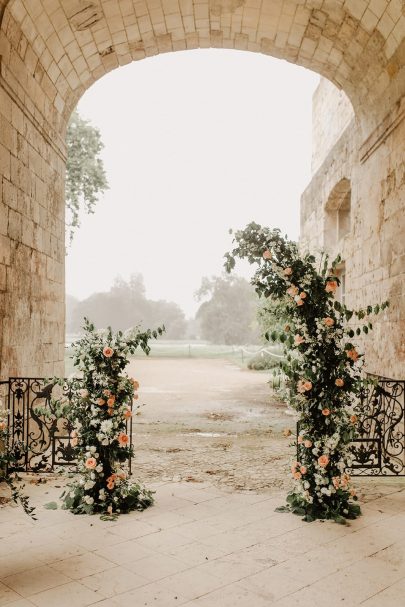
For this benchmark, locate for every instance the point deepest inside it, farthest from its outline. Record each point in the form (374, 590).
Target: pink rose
(298, 340)
(108, 352)
(293, 291)
(300, 439)
(326, 412)
(287, 271)
(303, 469)
(266, 254)
(299, 302)
(303, 295)
(308, 444)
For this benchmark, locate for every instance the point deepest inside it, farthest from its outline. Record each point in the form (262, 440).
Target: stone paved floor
(200, 546)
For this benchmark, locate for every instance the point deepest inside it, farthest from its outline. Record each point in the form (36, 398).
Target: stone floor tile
(232, 568)
(359, 581)
(125, 552)
(7, 595)
(160, 521)
(394, 596)
(35, 580)
(233, 595)
(196, 529)
(162, 540)
(67, 595)
(273, 583)
(83, 565)
(195, 553)
(156, 594)
(194, 582)
(157, 567)
(114, 581)
(308, 597)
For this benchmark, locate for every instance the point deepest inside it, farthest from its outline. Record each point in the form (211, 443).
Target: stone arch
(337, 213)
(53, 50)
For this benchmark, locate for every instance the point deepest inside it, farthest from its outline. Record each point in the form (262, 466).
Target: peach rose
(353, 419)
(326, 411)
(307, 444)
(109, 510)
(123, 439)
(287, 271)
(101, 402)
(303, 469)
(339, 382)
(328, 321)
(297, 475)
(298, 339)
(111, 401)
(336, 482)
(2, 425)
(135, 396)
(300, 302)
(294, 466)
(352, 354)
(353, 492)
(266, 254)
(74, 441)
(122, 476)
(323, 461)
(331, 286)
(307, 385)
(107, 392)
(110, 486)
(84, 393)
(303, 295)
(127, 413)
(300, 439)
(135, 384)
(73, 434)
(108, 352)
(91, 463)
(293, 291)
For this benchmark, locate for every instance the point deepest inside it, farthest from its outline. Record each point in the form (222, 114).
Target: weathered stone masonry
(53, 50)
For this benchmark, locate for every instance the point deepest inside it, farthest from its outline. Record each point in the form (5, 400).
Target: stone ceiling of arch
(66, 45)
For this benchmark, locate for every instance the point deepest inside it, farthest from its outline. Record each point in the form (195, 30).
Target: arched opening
(337, 215)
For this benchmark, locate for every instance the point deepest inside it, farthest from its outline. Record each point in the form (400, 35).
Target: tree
(85, 175)
(125, 305)
(229, 315)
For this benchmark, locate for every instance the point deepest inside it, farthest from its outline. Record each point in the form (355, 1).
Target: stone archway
(53, 50)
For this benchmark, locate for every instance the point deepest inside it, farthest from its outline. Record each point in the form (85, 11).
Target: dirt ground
(207, 419)
(210, 420)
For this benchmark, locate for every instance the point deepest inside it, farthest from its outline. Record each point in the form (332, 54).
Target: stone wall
(32, 167)
(373, 250)
(331, 114)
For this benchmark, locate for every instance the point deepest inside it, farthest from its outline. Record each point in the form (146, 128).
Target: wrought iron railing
(379, 447)
(41, 440)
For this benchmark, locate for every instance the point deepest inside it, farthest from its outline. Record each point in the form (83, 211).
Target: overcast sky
(196, 142)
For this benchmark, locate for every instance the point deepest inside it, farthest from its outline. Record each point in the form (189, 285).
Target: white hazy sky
(195, 143)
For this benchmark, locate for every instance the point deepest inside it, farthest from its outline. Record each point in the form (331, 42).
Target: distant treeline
(124, 306)
(229, 312)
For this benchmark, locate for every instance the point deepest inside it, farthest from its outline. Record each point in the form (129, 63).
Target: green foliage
(229, 315)
(99, 405)
(323, 367)
(85, 175)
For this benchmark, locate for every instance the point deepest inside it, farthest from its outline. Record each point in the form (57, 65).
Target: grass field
(240, 355)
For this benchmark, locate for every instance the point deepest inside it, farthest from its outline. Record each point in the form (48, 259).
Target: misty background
(195, 143)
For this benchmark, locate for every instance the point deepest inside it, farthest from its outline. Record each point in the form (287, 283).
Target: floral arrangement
(100, 406)
(323, 366)
(8, 457)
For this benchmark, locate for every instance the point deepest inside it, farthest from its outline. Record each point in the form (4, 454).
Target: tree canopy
(85, 174)
(229, 314)
(124, 306)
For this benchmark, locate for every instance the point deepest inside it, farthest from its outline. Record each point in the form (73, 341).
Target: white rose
(93, 449)
(99, 468)
(89, 500)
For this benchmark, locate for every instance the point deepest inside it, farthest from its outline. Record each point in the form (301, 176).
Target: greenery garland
(324, 367)
(100, 404)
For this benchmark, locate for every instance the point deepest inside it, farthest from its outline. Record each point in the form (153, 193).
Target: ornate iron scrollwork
(40, 439)
(379, 448)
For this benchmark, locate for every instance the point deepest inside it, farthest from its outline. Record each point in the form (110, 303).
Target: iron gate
(41, 442)
(379, 449)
